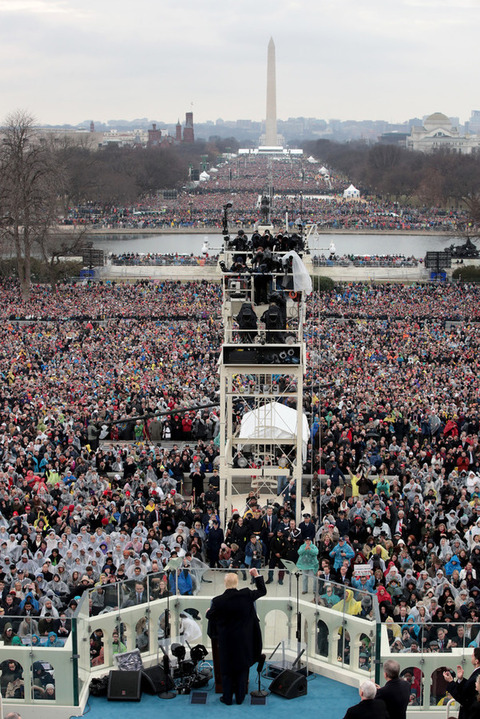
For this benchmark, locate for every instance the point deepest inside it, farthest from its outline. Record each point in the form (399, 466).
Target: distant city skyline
(65, 62)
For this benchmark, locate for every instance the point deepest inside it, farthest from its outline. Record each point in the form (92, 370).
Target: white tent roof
(312, 160)
(204, 176)
(273, 421)
(351, 191)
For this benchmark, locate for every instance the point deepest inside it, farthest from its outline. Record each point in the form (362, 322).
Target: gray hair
(391, 669)
(368, 690)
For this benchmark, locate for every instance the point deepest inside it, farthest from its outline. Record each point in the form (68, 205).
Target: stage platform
(325, 697)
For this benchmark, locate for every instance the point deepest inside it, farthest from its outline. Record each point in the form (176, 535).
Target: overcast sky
(66, 61)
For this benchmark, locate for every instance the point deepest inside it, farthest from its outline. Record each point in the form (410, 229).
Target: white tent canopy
(204, 176)
(273, 421)
(351, 191)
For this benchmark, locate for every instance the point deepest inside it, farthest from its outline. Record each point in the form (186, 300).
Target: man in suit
(137, 595)
(268, 531)
(396, 691)
(233, 621)
(463, 690)
(369, 707)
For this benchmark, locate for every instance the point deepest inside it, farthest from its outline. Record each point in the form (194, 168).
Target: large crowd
(156, 259)
(109, 426)
(298, 188)
(396, 261)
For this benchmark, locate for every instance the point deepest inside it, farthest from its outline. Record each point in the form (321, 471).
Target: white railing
(339, 645)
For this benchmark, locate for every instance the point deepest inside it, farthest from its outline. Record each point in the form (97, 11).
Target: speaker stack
(124, 686)
(156, 681)
(289, 684)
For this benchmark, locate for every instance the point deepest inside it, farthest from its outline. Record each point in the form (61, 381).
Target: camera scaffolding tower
(263, 430)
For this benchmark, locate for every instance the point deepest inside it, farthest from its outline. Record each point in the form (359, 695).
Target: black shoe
(269, 581)
(224, 701)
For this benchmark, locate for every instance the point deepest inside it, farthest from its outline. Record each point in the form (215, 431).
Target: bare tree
(29, 181)
(59, 247)
(78, 159)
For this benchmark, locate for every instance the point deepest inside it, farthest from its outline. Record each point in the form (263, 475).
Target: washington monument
(271, 138)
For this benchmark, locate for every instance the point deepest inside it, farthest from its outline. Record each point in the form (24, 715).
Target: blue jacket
(369, 585)
(340, 553)
(184, 583)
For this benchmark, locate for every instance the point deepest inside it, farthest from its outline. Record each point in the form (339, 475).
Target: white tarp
(204, 176)
(302, 282)
(274, 421)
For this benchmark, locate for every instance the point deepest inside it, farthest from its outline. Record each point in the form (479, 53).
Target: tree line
(42, 176)
(443, 178)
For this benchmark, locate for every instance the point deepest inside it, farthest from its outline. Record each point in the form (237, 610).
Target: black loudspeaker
(289, 684)
(156, 681)
(124, 686)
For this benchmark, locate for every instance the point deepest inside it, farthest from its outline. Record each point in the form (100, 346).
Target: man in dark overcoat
(233, 622)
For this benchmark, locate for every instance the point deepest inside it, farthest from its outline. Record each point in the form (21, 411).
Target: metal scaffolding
(263, 430)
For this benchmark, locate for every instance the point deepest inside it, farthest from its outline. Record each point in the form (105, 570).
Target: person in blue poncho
(451, 565)
(329, 598)
(184, 581)
(53, 640)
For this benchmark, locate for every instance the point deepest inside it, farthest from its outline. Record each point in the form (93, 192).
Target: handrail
(339, 645)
